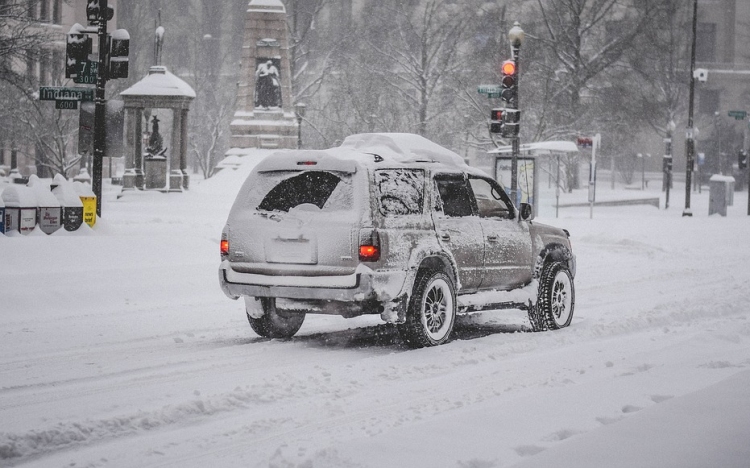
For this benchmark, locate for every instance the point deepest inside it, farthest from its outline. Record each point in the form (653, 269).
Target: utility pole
(690, 146)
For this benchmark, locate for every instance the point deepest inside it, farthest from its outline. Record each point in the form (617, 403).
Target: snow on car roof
(367, 149)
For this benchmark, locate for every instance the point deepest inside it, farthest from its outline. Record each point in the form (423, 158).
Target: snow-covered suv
(389, 224)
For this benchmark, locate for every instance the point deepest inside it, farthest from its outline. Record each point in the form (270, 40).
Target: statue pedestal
(155, 172)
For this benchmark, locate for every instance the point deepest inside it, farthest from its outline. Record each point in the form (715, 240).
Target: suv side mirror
(526, 212)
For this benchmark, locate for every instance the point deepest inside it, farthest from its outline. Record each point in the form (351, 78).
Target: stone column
(138, 149)
(175, 153)
(183, 146)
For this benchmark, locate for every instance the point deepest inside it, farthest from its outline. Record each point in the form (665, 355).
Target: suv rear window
(310, 187)
(400, 191)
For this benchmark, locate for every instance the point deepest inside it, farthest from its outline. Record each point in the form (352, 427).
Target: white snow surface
(118, 349)
(160, 82)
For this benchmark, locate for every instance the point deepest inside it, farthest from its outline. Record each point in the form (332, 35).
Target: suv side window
(400, 191)
(492, 201)
(456, 198)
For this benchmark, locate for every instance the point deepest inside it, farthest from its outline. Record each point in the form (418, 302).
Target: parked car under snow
(389, 224)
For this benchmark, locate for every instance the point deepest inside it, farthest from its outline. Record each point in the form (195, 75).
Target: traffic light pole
(516, 141)
(100, 133)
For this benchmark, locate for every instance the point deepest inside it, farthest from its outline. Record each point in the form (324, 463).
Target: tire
(431, 312)
(274, 324)
(556, 299)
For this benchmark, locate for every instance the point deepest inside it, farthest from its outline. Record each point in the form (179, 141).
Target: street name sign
(491, 90)
(87, 73)
(738, 114)
(53, 93)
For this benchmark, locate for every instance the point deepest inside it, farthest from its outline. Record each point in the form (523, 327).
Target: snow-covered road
(117, 349)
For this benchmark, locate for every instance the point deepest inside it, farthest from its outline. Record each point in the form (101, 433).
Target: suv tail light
(369, 245)
(224, 246)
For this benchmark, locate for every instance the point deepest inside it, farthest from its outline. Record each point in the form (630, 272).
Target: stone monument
(264, 117)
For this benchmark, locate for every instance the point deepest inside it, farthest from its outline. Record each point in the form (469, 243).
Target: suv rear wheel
(275, 324)
(431, 312)
(556, 299)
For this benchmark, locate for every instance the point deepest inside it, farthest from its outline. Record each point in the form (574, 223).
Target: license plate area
(298, 250)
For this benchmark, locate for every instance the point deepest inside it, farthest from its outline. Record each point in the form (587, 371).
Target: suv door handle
(493, 238)
(445, 236)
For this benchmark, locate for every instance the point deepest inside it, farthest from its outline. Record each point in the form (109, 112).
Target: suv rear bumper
(364, 285)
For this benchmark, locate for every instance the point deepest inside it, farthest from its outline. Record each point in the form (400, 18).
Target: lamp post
(299, 110)
(643, 171)
(668, 160)
(516, 36)
(690, 144)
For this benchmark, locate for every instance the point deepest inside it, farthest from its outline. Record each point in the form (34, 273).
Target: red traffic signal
(496, 121)
(584, 142)
(510, 90)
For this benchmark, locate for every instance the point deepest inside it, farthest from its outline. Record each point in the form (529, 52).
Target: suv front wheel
(275, 324)
(431, 312)
(556, 299)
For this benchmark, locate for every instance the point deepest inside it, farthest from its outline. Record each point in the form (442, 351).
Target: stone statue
(155, 141)
(267, 85)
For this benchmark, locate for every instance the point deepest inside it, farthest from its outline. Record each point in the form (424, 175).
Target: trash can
(721, 194)
(20, 209)
(49, 212)
(70, 202)
(89, 202)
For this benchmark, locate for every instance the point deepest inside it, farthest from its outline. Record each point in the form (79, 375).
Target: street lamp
(299, 110)
(516, 36)
(671, 126)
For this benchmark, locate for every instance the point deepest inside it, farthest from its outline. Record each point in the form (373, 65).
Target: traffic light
(509, 81)
(511, 123)
(77, 52)
(92, 12)
(742, 160)
(496, 120)
(118, 54)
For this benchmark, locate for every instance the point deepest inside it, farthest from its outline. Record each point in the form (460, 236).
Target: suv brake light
(369, 253)
(224, 247)
(369, 245)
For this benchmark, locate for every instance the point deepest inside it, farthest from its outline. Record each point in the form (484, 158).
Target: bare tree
(21, 40)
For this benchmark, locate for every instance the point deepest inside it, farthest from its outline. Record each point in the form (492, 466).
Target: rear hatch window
(310, 190)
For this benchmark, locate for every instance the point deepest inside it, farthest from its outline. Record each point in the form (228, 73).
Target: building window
(57, 11)
(709, 101)
(44, 11)
(32, 10)
(705, 47)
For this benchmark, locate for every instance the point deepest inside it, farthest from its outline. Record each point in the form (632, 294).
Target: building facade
(723, 50)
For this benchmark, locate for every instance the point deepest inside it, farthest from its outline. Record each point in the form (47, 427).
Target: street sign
(738, 114)
(66, 104)
(53, 93)
(87, 73)
(490, 89)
